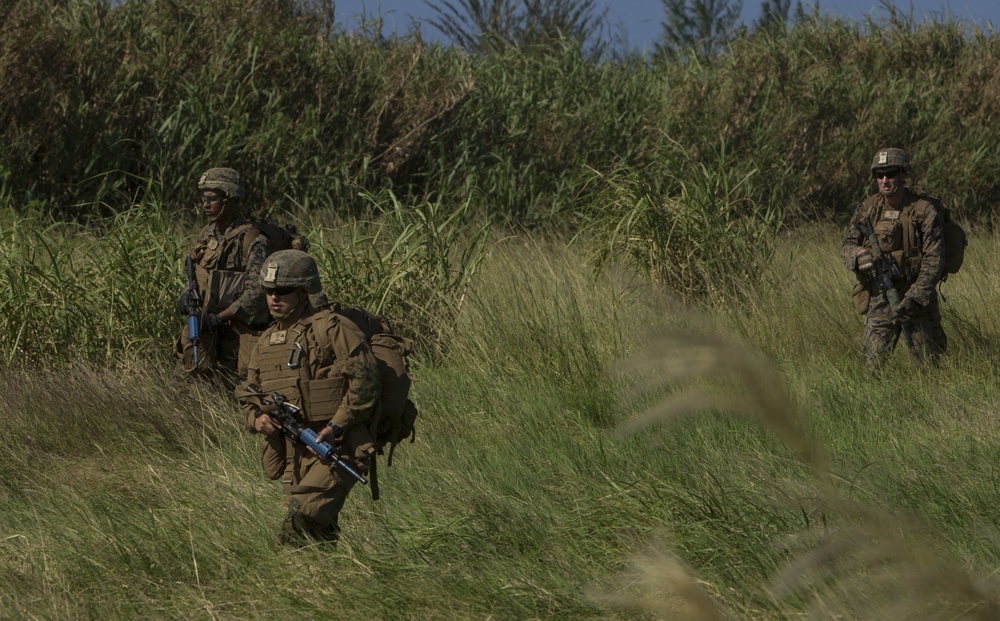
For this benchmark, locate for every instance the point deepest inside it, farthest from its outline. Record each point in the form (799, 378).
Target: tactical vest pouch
(286, 386)
(361, 446)
(225, 288)
(248, 339)
(901, 265)
(911, 262)
(324, 398)
(862, 297)
(889, 234)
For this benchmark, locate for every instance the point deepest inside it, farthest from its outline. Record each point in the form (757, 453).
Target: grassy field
(587, 449)
(589, 446)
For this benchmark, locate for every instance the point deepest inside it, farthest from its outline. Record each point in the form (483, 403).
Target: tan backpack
(396, 414)
(953, 237)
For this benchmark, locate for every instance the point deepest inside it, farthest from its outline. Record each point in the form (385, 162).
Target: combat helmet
(225, 180)
(290, 268)
(891, 158)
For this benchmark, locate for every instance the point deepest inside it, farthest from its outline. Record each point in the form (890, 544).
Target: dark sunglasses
(892, 173)
(279, 291)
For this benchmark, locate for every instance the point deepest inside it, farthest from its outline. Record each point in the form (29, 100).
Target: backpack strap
(911, 237)
(870, 207)
(250, 237)
(373, 478)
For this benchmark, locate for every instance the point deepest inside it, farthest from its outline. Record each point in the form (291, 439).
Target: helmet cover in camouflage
(290, 268)
(225, 180)
(891, 158)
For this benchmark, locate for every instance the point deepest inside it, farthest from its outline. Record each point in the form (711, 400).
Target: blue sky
(641, 20)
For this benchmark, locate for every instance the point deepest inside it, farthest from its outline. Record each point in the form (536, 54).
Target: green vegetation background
(584, 251)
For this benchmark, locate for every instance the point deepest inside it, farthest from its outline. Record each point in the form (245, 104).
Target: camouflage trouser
(316, 493)
(882, 332)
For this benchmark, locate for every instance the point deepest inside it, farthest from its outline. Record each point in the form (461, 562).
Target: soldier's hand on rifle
(905, 309)
(183, 302)
(211, 322)
(332, 434)
(266, 425)
(865, 260)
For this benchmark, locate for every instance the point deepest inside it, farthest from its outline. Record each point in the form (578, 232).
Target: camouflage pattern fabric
(921, 264)
(330, 350)
(223, 250)
(224, 353)
(882, 332)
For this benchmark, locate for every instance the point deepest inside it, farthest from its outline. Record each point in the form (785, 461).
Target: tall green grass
(105, 292)
(699, 233)
(102, 292)
(98, 98)
(795, 485)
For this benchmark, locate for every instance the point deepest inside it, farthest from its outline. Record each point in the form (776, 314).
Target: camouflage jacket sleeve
(251, 303)
(360, 369)
(853, 239)
(930, 232)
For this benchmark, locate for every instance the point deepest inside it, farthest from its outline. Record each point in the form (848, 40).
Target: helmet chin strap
(225, 214)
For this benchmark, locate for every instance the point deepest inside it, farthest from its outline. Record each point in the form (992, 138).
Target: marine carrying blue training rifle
(287, 414)
(193, 309)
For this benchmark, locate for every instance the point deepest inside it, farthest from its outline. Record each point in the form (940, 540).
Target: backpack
(396, 414)
(955, 240)
(281, 237)
(953, 237)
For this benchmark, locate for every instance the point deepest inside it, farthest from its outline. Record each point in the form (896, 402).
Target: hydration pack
(396, 414)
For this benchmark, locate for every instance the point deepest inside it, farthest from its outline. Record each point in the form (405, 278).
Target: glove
(211, 322)
(866, 260)
(905, 309)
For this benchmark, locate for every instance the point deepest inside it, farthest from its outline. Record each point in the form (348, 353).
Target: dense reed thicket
(97, 99)
(105, 292)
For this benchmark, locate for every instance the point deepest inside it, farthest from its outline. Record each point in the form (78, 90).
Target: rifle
(885, 269)
(193, 308)
(286, 414)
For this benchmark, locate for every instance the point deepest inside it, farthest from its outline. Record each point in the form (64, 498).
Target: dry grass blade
(866, 562)
(882, 566)
(676, 358)
(660, 583)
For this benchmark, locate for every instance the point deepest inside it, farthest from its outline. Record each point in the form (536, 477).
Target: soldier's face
(889, 180)
(213, 203)
(281, 301)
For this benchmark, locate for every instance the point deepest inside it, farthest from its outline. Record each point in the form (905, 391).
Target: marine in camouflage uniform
(909, 228)
(322, 363)
(228, 256)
